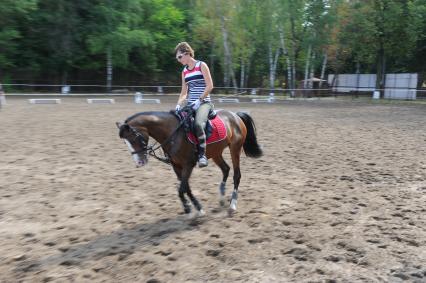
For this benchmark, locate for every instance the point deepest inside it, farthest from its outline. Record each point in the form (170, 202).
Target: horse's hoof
(190, 216)
(222, 202)
(233, 204)
(231, 212)
(201, 213)
(196, 214)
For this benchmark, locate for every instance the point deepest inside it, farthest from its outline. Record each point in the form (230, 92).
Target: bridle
(152, 149)
(140, 138)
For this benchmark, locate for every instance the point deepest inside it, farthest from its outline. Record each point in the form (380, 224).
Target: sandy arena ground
(339, 196)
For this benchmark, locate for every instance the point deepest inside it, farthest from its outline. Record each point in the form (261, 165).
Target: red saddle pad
(218, 132)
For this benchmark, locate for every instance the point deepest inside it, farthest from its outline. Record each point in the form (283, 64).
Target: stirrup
(202, 161)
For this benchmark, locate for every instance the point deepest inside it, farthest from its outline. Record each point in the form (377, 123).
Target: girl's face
(182, 58)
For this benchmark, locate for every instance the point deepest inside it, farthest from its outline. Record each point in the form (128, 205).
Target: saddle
(215, 128)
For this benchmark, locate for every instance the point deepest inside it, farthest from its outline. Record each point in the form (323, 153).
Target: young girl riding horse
(167, 130)
(196, 87)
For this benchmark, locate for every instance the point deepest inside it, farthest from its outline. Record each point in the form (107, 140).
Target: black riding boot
(202, 159)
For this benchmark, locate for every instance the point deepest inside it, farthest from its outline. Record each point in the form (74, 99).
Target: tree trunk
(288, 61)
(277, 56)
(358, 76)
(228, 57)
(293, 51)
(225, 72)
(211, 66)
(324, 66)
(308, 61)
(335, 81)
(242, 75)
(109, 69)
(271, 68)
(381, 71)
(293, 71)
(381, 56)
(312, 71)
(247, 72)
(273, 62)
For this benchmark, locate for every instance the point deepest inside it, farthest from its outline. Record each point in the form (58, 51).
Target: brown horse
(167, 130)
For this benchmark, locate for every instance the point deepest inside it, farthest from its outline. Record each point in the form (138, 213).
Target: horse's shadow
(121, 242)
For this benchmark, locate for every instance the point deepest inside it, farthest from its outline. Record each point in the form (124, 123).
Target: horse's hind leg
(235, 155)
(225, 172)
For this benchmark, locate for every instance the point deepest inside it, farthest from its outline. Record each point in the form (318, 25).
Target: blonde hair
(184, 47)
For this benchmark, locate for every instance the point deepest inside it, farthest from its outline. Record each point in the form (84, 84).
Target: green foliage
(135, 26)
(11, 12)
(381, 24)
(63, 40)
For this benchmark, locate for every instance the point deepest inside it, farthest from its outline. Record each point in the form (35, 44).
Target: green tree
(417, 60)
(55, 36)
(11, 13)
(134, 26)
(379, 32)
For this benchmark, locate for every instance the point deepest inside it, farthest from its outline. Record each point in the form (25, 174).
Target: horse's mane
(155, 113)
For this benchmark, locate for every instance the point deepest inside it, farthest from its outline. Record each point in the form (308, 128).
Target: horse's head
(137, 142)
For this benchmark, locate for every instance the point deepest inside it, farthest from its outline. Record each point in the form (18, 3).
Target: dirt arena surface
(339, 196)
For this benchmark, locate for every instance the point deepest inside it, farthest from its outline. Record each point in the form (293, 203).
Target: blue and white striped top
(196, 84)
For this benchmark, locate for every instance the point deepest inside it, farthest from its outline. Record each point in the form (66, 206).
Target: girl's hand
(195, 105)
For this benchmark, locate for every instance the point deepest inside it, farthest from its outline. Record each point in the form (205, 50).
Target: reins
(152, 149)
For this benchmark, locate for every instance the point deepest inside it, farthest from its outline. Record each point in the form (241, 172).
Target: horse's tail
(251, 147)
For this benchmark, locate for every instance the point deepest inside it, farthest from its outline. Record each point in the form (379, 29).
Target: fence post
(160, 90)
(138, 97)
(2, 97)
(65, 89)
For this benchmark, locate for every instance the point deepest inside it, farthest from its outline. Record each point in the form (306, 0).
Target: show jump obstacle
(100, 101)
(229, 100)
(140, 100)
(44, 101)
(263, 100)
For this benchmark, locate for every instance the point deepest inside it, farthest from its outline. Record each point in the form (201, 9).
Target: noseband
(140, 137)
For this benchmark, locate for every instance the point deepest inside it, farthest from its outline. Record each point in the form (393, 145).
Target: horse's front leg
(181, 191)
(182, 188)
(195, 201)
(185, 186)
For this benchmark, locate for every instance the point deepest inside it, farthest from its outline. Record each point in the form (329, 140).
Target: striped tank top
(196, 83)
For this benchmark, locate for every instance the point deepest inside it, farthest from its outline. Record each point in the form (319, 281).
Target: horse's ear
(122, 127)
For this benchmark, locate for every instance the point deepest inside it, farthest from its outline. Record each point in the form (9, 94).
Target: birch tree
(271, 38)
(319, 21)
(245, 29)
(292, 36)
(289, 64)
